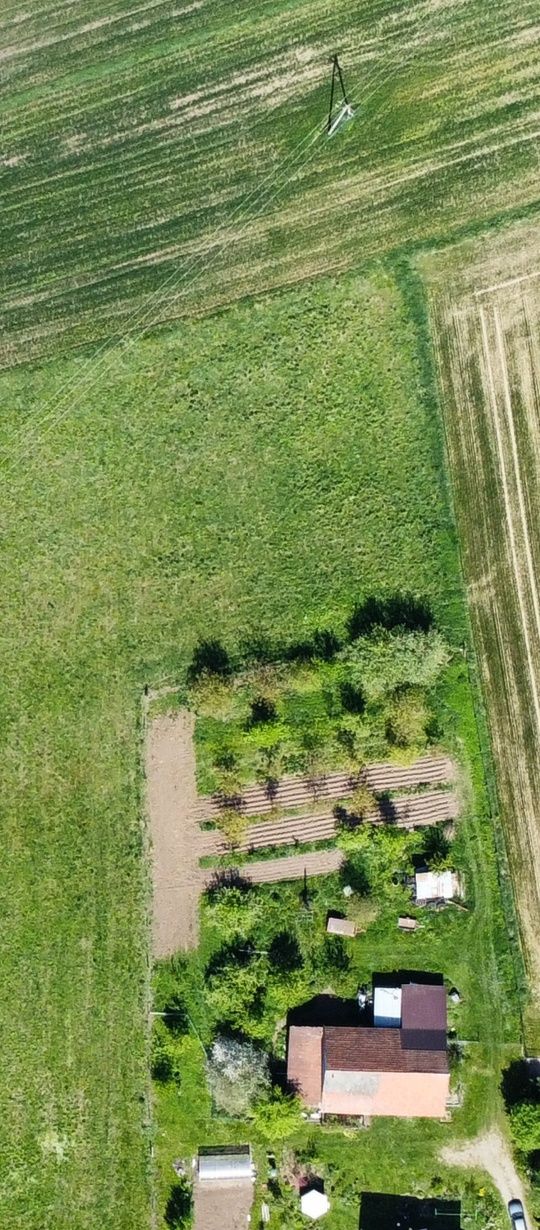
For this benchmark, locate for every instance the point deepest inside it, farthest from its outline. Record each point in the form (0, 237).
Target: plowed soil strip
(303, 792)
(175, 833)
(412, 811)
(273, 870)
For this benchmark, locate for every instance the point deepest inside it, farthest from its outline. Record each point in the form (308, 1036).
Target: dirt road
(490, 1152)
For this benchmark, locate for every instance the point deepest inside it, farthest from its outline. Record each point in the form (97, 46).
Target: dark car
(517, 1214)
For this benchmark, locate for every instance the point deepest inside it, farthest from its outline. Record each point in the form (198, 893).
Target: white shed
(436, 885)
(314, 1203)
(337, 925)
(218, 1164)
(387, 1006)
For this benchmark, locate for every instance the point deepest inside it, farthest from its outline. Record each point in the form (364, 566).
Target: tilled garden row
(410, 811)
(297, 791)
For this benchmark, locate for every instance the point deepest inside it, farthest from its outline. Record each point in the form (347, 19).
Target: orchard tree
(408, 716)
(238, 1075)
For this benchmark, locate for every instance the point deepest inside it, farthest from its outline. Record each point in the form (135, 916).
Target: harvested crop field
(487, 332)
(160, 162)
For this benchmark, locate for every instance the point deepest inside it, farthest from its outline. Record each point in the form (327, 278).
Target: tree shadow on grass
(520, 1082)
(391, 612)
(178, 1208)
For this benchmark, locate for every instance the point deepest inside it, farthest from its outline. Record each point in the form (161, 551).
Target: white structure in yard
(218, 1165)
(337, 925)
(436, 886)
(314, 1203)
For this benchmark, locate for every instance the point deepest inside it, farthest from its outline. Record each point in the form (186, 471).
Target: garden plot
(179, 842)
(488, 338)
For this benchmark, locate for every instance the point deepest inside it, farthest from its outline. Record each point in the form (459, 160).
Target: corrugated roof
(423, 1007)
(363, 1049)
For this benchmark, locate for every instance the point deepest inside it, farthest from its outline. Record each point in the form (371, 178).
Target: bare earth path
(222, 1206)
(175, 833)
(489, 1152)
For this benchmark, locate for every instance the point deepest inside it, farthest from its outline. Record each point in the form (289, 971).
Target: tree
(525, 1126)
(278, 1116)
(235, 910)
(387, 660)
(227, 773)
(363, 801)
(233, 824)
(236, 995)
(408, 716)
(238, 1075)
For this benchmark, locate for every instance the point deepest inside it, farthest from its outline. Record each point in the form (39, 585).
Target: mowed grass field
(486, 311)
(254, 472)
(161, 159)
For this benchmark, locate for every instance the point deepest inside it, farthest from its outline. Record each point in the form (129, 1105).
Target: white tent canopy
(314, 1203)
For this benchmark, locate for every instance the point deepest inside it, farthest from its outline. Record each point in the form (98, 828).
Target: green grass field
(213, 487)
(256, 471)
(169, 152)
(256, 504)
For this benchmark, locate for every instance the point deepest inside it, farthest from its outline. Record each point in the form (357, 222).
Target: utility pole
(345, 111)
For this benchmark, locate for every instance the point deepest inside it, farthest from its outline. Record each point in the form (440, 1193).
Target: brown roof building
(377, 1070)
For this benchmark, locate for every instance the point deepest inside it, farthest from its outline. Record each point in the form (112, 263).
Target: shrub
(235, 910)
(233, 824)
(178, 1213)
(238, 1075)
(407, 719)
(262, 710)
(164, 1061)
(278, 1116)
(525, 1126)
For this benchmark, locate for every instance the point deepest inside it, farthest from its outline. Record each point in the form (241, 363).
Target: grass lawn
(223, 481)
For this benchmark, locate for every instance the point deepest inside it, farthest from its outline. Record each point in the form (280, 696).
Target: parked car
(517, 1214)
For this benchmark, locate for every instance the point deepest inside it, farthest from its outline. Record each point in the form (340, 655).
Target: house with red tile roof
(398, 1068)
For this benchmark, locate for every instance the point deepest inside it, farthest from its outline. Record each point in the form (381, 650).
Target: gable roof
(377, 1049)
